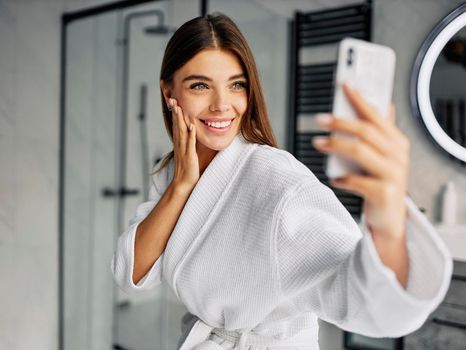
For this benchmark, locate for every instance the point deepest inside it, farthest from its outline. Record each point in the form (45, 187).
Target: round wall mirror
(438, 84)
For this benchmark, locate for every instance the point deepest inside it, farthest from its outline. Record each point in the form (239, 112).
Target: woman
(248, 238)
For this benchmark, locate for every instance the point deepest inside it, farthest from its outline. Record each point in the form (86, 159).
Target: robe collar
(215, 180)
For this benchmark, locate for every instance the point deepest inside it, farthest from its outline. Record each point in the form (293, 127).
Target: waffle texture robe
(262, 249)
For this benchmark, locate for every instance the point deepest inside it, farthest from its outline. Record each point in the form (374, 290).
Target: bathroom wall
(29, 149)
(29, 156)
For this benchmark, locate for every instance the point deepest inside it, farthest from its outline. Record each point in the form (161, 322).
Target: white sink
(454, 237)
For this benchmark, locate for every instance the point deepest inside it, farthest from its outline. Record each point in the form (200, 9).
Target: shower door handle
(122, 192)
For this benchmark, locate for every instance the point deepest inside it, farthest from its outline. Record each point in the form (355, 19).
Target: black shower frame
(66, 19)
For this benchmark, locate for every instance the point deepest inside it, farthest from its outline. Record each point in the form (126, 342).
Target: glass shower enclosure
(112, 133)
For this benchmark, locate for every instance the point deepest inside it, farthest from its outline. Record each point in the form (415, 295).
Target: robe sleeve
(328, 265)
(123, 258)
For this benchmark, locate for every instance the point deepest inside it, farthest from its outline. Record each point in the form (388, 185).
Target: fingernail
(320, 140)
(349, 86)
(191, 127)
(323, 119)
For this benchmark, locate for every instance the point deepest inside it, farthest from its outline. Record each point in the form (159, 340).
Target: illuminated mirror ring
(420, 80)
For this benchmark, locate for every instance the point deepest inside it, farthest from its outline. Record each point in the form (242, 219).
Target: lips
(221, 128)
(216, 120)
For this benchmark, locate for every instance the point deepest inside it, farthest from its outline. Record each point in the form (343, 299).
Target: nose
(219, 103)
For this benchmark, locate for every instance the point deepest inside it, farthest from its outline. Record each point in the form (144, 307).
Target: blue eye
(198, 86)
(239, 85)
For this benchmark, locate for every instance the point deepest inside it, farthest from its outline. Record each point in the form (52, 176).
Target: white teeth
(219, 125)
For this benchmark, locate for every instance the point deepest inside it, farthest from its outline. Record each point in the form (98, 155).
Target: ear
(166, 91)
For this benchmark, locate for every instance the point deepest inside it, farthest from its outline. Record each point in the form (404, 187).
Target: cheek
(241, 104)
(191, 105)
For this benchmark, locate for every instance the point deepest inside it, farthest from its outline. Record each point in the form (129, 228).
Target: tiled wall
(29, 146)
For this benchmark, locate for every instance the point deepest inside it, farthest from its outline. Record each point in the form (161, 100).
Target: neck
(205, 156)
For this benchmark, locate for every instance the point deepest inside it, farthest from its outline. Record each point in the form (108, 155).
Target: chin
(218, 144)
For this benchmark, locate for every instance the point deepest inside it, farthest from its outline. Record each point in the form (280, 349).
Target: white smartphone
(369, 68)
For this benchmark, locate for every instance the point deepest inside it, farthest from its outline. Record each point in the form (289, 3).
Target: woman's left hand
(382, 150)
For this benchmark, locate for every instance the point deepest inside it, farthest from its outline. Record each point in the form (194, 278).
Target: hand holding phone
(369, 68)
(373, 141)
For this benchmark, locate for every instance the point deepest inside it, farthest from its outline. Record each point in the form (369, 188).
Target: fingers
(372, 142)
(191, 147)
(179, 126)
(191, 130)
(364, 109)
(359, 128)
(369, 113)
(175, 127)
(187, 121)
(182, 127)
(375, 191)
(360, 152)
(392, 114)
(184, 117)
(382, 142)
(179, 111)
(361, 185)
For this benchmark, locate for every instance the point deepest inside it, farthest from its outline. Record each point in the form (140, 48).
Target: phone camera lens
(349, 60)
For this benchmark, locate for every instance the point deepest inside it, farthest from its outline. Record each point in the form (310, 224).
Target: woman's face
(212, 87)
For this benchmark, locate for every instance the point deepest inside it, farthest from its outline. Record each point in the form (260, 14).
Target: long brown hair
(217, 31)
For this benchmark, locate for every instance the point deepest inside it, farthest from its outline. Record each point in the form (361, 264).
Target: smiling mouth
(221, 124)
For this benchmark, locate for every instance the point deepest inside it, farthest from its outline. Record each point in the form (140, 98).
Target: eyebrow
(204, 78)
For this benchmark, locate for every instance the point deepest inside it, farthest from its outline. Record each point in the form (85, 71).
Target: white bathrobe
(262, 249)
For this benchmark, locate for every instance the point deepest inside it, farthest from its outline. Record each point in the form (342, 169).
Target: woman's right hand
(184, 146)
